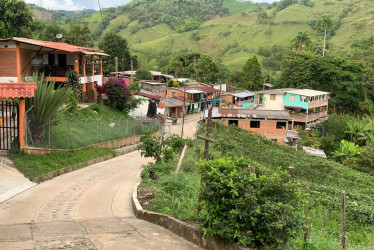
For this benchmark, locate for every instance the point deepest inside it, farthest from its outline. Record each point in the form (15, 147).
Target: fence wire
(70, 132)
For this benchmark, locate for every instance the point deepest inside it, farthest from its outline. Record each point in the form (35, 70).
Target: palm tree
(302, 41)
(323, 24)
(45, 104)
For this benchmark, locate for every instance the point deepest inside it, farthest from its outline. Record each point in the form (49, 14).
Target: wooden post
(101, 66)
(325, 220)
(18, 58)
(116, 66)
(206, 151)
(84, 65)
(291, 171)
(76, 63)
(180, 161)
(92, 65)
(343, 226)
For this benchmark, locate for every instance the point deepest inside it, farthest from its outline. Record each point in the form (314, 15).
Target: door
(8, 125)
(61, 65)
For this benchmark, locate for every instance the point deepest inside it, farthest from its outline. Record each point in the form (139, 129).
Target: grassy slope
(325, 178)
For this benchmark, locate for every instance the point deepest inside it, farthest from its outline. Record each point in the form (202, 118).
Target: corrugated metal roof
(275, 91)
(172, 102)
(208, 90)
(307, 92)
(254, 114)
(243, 94)
(148, 94)
(193, 91)
(292, 134)
(58, 46)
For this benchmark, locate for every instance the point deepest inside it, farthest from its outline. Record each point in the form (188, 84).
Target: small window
(174, 94)
(291, 98)
(274, 140)
(281, 125)
(233, 122)
(255, 124)
(273, 97)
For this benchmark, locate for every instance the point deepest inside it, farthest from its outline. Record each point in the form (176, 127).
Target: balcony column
(101, 66)
(84, 65)
(76, 63)
(18, 56)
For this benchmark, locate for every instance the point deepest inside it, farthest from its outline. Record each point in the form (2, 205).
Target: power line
(102, 17)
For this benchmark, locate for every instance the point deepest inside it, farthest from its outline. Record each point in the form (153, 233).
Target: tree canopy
(252, 74)
(196, 65)
(115, 46)
(15, 19)
(302, 41)
(345, 79)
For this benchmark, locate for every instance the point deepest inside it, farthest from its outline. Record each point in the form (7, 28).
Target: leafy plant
(73, 82)
(154, 147)
(45, 104)
(347, 153)
(245, 202)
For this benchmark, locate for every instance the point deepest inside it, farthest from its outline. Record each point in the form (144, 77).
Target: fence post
(343, 227)
(127, 127)
(97, 129)
(49, 133)
(26, 123)
(85, 130)
(119, 125)
(110, 128)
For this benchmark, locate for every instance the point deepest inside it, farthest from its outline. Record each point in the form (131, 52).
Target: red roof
(17, 90)
(58, 46)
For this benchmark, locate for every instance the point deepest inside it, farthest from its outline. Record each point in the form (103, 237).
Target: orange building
(272, 124)
(22, 56)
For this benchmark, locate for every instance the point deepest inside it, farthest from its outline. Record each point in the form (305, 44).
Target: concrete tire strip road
(86, 209)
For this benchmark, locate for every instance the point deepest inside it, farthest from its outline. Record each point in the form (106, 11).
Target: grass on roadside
(33, 166)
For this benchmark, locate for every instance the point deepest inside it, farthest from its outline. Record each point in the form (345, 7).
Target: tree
(15, 19)
(115, 46)
(324, 24)
(302, 41)
(175, 66)
(195, 65)
(51, 30)
(143, 74)
(252, 74)
(79, 35)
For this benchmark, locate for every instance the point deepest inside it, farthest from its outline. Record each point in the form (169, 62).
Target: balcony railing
(308, 118)
(319, 103)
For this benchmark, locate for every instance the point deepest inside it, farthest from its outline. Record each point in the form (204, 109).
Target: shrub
(143, 74)
(119, 95)
(72, 103)
(253, 209)
(73, 81)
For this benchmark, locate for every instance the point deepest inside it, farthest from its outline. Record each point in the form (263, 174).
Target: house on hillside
(306, 106)
(23, 56)
(148, 108)
(155, 87)
(272, 124)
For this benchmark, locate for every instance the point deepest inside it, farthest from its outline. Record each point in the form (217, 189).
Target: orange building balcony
(308, 118)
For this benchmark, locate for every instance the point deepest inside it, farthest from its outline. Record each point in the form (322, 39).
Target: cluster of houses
(275, 113)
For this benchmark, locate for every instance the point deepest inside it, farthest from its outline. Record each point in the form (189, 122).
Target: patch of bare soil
(145, 195)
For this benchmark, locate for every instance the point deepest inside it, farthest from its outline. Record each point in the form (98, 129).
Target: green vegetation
(143, 74)
(44, 105)
(322, 179)
(33, 166)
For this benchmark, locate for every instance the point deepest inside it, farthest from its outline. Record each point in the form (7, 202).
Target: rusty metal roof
(252, 114)
(148, 94)
(58, 46)
(173, 102)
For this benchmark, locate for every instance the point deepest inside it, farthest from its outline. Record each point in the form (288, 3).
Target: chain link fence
(70, 132)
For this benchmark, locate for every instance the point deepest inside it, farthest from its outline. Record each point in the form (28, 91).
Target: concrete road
(86, 209)
(190, 126)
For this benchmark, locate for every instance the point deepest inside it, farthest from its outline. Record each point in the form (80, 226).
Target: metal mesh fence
(70, 132)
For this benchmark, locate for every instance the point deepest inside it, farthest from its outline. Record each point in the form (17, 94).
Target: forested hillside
(232, 31)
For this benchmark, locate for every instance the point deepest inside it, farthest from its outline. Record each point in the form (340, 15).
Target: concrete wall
(276, 104)
(267, 128)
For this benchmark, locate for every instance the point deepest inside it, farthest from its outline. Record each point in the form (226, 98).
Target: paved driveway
(86, 209)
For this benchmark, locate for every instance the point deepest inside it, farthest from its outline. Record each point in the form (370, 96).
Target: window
(274, 140)
(255, 124)
(233, 122)
(174, 94)
(291, 98)
(273, 97)
(281, 125)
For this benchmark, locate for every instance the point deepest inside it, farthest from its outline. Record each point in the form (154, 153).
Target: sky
(86, 4)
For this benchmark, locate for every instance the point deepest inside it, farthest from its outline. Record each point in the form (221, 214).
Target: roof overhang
(17, 90)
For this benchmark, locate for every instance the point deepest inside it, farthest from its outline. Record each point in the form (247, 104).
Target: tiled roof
(58, 46)
(17, 90)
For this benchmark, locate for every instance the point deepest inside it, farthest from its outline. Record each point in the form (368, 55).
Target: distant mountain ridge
(229, 30)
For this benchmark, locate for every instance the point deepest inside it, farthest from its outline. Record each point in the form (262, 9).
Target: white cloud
(57, 4)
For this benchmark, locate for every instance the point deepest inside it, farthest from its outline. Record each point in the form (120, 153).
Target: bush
(73, 81)
(253, 209)
(72, 103)
(119, 95)
(143, 74)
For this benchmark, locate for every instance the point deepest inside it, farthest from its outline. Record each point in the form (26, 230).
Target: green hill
(230, 30)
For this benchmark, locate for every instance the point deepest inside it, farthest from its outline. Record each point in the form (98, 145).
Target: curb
(181, 228)
(51, 175)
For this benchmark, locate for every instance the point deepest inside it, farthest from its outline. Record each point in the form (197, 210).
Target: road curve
(86, 209)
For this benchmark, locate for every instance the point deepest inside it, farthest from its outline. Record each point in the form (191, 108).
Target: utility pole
(184, 107)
